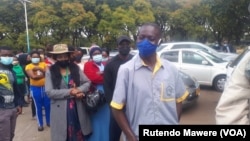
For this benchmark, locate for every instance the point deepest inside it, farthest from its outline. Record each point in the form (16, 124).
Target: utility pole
(26, 23)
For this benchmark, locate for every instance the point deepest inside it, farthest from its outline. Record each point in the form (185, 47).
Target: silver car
(206, 68)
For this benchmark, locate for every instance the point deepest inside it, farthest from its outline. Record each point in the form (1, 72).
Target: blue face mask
(35, 60)
(6, 60)
(146, 48)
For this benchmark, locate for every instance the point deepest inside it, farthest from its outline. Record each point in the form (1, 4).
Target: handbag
(94, 98)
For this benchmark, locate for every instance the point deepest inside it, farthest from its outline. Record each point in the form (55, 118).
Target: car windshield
(212, 57)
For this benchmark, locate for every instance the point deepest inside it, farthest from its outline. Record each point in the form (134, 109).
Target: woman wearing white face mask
(36, 72)
(105, 55)
(93, 69)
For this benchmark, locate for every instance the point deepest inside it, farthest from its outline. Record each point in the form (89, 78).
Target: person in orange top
(36, 72)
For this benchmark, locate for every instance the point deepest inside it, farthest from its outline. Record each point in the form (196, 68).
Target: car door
(196, 65)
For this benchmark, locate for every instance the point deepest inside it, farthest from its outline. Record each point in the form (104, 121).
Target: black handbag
(94, 99)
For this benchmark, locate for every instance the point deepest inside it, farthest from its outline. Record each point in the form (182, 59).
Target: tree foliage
(83, 22)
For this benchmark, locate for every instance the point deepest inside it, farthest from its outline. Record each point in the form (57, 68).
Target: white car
(86, 49)
(206, 68)
(196, 45)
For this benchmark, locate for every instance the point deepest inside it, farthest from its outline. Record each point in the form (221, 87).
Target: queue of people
(131, 85)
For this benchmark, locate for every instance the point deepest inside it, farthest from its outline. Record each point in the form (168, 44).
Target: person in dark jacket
(228, 47)
(24, 59)
(20, 78)
(110, 75)
(10, 98)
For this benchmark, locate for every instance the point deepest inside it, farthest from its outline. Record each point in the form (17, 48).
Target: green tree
(228, 18)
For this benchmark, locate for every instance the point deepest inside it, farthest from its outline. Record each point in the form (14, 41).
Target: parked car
(193, 88)
(196, 45)
(134, 51)
(231, 65)
(206, 68)
(86, 50)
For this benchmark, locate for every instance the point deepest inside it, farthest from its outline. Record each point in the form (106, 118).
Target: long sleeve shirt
(20, 75)
(110, 75)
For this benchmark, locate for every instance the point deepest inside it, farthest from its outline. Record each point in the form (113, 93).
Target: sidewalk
(26, 128)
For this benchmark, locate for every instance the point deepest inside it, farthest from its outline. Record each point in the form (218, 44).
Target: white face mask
(97, 58)
(105, 59)
(6, 60)
(35, 60)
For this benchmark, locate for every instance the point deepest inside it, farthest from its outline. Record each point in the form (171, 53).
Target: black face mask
(124, 51)
(63, 64)
(78, 59)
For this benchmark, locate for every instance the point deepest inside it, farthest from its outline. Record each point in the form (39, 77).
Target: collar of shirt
(139, 63)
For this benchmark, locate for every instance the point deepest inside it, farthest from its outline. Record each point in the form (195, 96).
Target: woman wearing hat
(100, 119)
(66, 85)
(36, 73)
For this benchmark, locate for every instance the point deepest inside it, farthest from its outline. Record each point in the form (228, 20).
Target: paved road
(201, 113)
(26, 128)
(204, 111)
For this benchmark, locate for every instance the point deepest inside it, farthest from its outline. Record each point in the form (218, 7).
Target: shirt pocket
(167, 92)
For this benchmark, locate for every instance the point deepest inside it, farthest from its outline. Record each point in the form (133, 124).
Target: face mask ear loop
(159, 42)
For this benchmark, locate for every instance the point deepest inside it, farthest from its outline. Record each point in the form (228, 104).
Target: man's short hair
(156, 26)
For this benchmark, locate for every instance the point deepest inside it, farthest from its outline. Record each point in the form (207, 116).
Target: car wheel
(219, 83)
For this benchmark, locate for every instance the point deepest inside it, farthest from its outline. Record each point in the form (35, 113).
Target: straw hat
(60, 48)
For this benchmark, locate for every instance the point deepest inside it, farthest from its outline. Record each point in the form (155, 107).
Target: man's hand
(19, 110)
(132, 138)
